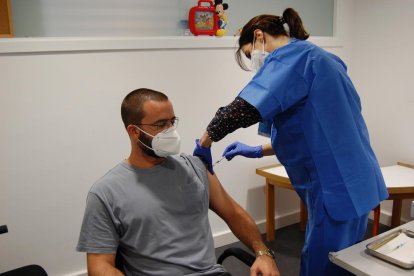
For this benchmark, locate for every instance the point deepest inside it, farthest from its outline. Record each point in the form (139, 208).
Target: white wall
(51, 18)
(382, 70)
(61, 128)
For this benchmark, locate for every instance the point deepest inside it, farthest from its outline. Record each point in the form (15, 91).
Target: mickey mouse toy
(222, 21)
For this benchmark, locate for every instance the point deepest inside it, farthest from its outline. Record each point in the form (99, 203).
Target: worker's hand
(265, 266)
(238, 148)
(205, 155)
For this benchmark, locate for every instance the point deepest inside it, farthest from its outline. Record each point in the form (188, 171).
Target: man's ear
(132, 130)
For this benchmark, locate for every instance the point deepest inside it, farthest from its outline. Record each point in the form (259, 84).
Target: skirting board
(227, 237)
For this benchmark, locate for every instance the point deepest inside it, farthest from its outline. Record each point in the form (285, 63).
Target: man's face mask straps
(164, 143)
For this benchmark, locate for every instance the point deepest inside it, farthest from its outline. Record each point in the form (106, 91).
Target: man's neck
(144, 161)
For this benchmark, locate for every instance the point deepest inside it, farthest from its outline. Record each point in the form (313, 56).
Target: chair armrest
(239, 253)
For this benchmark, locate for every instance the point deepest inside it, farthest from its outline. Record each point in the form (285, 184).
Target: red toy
(203, 19)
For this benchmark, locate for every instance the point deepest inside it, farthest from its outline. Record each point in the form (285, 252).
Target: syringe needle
(218, 161)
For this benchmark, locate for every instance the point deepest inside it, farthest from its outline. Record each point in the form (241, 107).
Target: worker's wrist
(205, 141)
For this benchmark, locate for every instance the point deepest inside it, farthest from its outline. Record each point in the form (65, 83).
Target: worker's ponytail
(296, 28)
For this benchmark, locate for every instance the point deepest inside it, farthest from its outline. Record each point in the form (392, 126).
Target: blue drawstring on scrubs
(265, 128)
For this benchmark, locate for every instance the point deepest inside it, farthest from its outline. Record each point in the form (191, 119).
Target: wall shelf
(71, 44)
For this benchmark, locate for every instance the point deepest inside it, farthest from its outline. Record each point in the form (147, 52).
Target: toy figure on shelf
(222, 18)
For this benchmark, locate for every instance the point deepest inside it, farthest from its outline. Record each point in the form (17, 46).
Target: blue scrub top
(321, 136)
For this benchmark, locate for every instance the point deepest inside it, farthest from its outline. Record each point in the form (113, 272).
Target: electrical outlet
(412, 209)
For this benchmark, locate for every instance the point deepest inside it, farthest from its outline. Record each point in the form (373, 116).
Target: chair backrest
(3, 229)
(239, 253)
(29, 270)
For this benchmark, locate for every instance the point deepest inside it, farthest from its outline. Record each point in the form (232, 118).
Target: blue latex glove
(205, 155)
(237, 148)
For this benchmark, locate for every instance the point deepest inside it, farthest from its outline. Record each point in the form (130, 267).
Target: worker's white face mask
(164, 143)
(258, 56)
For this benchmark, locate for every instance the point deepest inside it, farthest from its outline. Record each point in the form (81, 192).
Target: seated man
(153, 207)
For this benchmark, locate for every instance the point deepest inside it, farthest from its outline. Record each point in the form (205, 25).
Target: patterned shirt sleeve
(237, 114)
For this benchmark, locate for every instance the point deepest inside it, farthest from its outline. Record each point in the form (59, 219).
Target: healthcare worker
(318, 133)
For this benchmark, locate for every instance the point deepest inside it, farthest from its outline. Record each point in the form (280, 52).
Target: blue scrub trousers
(328, 235)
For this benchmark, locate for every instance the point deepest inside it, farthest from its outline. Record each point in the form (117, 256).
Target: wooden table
(398, 178)
(276, 176)
(400, 185)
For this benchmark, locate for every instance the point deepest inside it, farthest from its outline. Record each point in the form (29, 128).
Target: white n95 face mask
(258, 56)
(165, 143)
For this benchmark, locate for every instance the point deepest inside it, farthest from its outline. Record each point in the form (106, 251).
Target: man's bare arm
(102, 265)
(242, 226)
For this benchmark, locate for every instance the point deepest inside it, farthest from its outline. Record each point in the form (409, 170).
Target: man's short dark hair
(132, 106)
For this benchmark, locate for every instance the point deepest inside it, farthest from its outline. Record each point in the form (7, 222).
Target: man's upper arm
(220, 201)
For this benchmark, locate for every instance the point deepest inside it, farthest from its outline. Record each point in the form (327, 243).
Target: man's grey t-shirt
(158, 218)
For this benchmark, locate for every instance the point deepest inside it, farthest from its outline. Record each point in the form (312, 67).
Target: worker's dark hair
(273, 25)
(132, 106)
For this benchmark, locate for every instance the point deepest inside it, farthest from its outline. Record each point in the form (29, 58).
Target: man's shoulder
(184, 157)
(190, 163)
(111, 176)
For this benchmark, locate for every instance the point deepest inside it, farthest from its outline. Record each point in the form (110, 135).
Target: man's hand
(238, 148)
(205, 155)
(265, 266)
